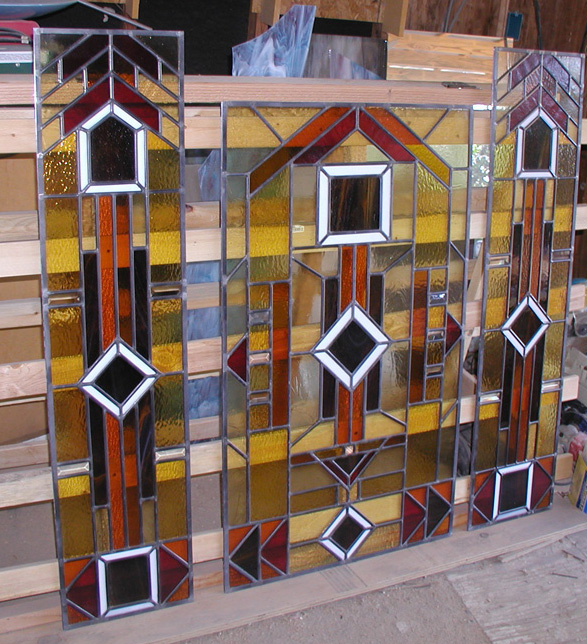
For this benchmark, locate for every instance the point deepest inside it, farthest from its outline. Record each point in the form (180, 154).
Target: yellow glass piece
(378, 425)
(549, 200)
(429, 159)
(166, 335)
(67, 92)
(553, 351)
(50, 134)
(148, 512)
(163, 164)
(157, 95)
(268, 474)
(382, 538)
(171, 499)
(420, 121)
(531, 442)
(450, 138)
(567, 156)
(321, 436)
(557, 295)
(169, 422)
(310, 556)
(259, 377)
(236, 302)
(102, 530)
(451, 419)
(385, 461)
(487, 436)
(423, 418)
(60, 168)
(164, 229)
(244, 129)
(269, 218)
(48, 112)
(235, 401)
(504, 159)
(75, 513)
(305, 527)
(171, 82)
(435, 353)
(403, 202)
(286, 121)
(431, 221)
(433, 388)
(61, 245)
(139, 221)
(394, 373)
(313, 500)
(436, 317)
(259, 337)
(492, 361)
(259, 417)
(382, 485)
(459, 202)
(547, 424)
(501, 217)
(65, 331)
(236, 481)
(259, 296)
(382, 509)
(563, 213)
(437, 280)
(497, 297)
(49, 79)
(69, 413)
(355, 149)
(170, 130)
(421, 458)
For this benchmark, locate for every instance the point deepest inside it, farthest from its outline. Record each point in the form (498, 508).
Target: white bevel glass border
(381, 170)
(521, 139)
(514, 512)
(333, 547)
(104, 610)
(519, 346)
(85, 152)
(118, 349)
(338, 370)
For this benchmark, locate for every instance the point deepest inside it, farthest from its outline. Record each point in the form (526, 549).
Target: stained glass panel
(534, 134)
(117, 356)
(342, 333)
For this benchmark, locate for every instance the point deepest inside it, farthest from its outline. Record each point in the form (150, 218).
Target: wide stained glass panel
(535, 143)
(343, 282)
(110, 210)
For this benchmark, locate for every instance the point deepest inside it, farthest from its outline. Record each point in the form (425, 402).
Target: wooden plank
(20, 313)
(393, 15)
(445, 43)
(34, 452)
(215, 611)
(18, 226)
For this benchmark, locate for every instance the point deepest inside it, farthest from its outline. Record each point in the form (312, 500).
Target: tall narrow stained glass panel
(528, 252)
(109, 116)
(344, 237)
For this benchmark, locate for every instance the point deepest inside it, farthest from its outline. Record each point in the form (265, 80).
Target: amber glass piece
(115, 481)
(171, 499)
(259, 417)
(76, 516)
(70, 425)
(497, 297)
(431, 221)
(268, 476)
(259, 296)
(166, 316)
(61, 244)
(344, 413)
(346, 277)
(65, 331)
(60, 168)
(545, 440)
(421, 458)
(169, 423)
(163, 164)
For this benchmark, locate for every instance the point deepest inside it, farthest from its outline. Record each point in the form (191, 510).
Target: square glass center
(128, 581)
(355, 204)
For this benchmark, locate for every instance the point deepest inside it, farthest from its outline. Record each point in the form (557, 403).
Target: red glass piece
(329, 140)
(237, 360)
(437, 511)
(417, 536)
(523, 68)
(171, 573)
(484, 498)
(136, 105)
(357, 413)
(541, 483)
(557, 70)
(183, 592)
(74, 616)
(554, 110)
(413, 516)
(280, 336)
(445, 490)
(453, 332)
(179, 548)
(418, 336)
(136, 53)
(275, 550)
(479, 519)
(79, 55)
(342, 420)
(115, 484)
(236, 536)
(267, 572)
(443, 528)
(383, 139)
(235, 578)
(267, 530)
(84, 591)
(71, 569)
(520, 112)
(87, 105)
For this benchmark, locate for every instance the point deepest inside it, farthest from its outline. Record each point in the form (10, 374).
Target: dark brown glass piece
(513, 491)
(354, 204)
(119, 379)
(127, 581)
(346, 533)
(537, 146)
(112, 144)
(352, 346)
(526, 325)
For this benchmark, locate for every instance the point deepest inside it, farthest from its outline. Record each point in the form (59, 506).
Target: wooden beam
(394, 15)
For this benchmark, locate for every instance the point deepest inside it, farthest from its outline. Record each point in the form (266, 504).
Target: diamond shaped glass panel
(119, 379)
(351, 346)
(526, 325)
(346, 533)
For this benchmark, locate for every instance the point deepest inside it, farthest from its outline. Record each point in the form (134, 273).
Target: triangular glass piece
(413, 515)
(485, 497)
(246, 555)
(437, 510)
(541, 483)
(453, 332)
(84, 592)
(275, 550)
(171, 573)
(237, 361)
